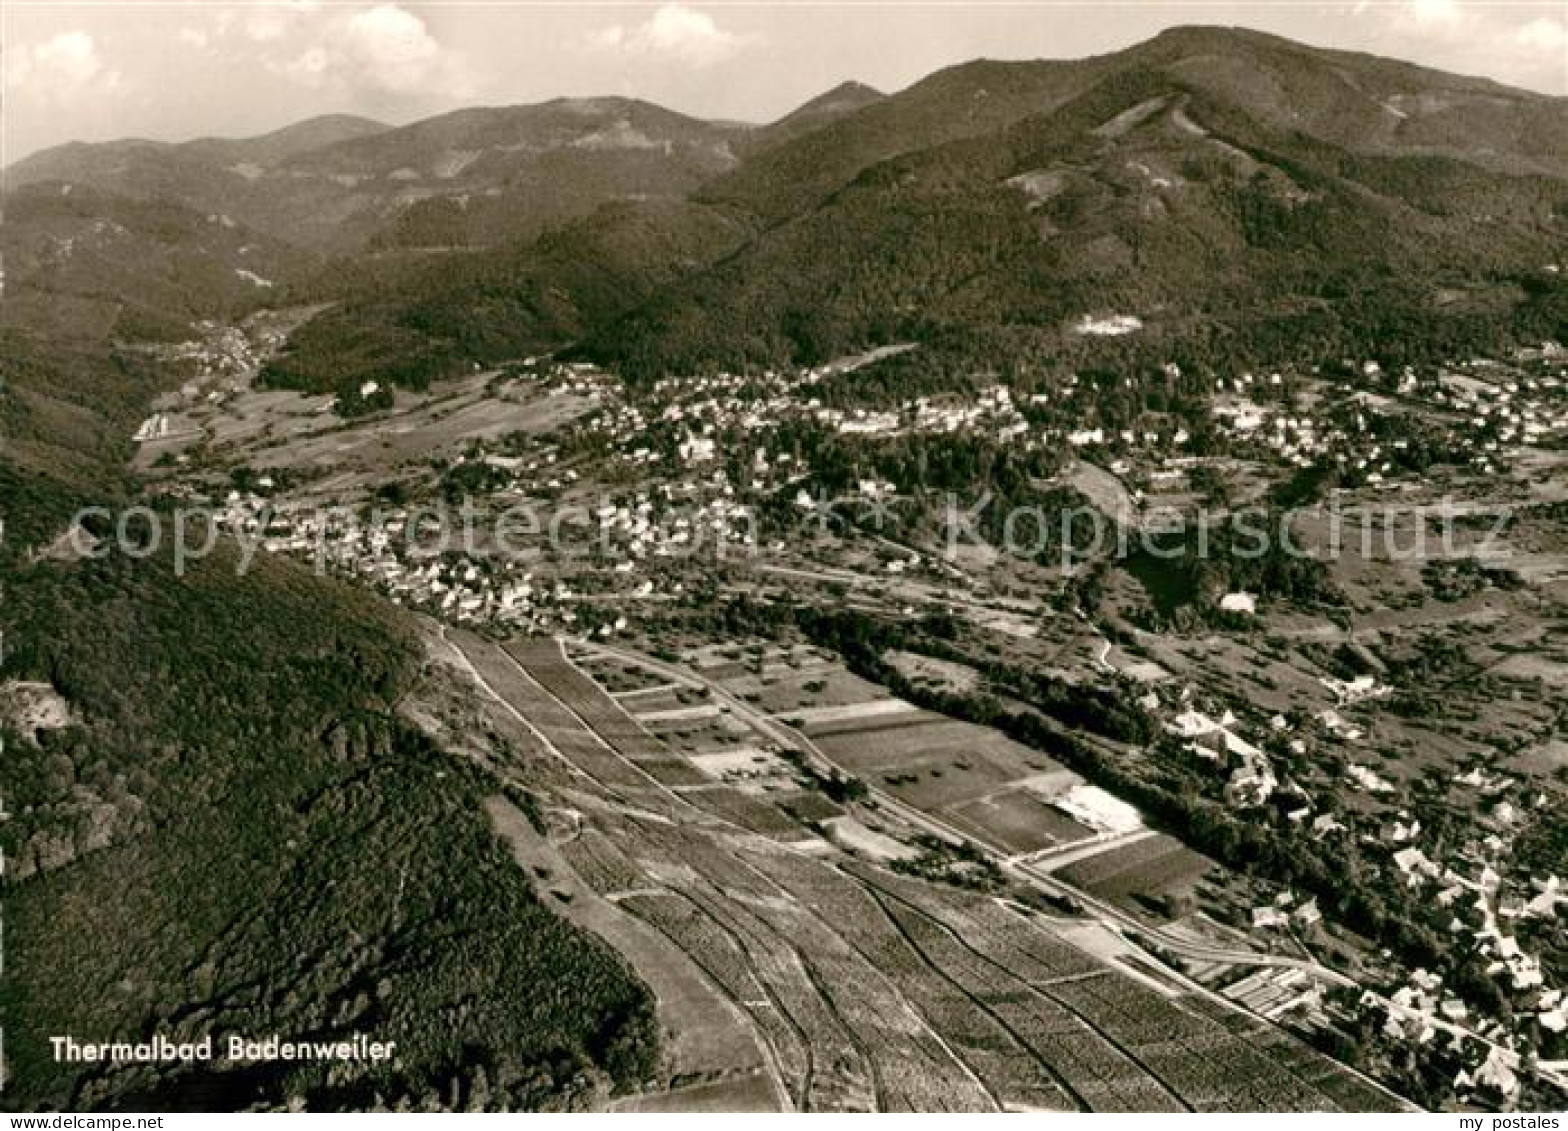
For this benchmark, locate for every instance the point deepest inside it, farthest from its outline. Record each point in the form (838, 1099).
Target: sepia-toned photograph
(721, 556)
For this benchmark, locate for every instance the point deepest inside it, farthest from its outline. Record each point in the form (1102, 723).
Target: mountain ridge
(474, 176)
(1005, 201)
(1222, 178)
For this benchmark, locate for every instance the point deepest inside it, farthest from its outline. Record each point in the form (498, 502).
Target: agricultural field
(1018, 821)
(1145, 872)
(828, 687)
(693, 726)
(929, 671)
(927, 760)
(704, 1039)
(859, 984)
(299, 438)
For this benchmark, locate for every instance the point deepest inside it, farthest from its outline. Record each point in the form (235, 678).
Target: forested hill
(1145, 196)
(236, 833)
(1243, 197)
(227, 826)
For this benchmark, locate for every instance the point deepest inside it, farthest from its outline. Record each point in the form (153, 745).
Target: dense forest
(236, 833)
(1243, 242)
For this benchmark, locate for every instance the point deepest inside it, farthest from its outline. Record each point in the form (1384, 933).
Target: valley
(1065, 721)
(1054, 605)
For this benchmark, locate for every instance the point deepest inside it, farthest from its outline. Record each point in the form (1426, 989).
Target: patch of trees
(1454, 579)
(835, 786)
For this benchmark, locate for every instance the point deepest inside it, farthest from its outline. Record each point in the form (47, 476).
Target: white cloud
(62, 67)
(383, 48)
(71, 57)
(1545, 34)
(312, 67)
(393, 46)
(674, 32)
(1480, 38)
(265, 25)
(1434, 13)
(272, 22)
(194, 37)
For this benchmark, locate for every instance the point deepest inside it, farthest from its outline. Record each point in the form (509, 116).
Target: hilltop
(1232, 192)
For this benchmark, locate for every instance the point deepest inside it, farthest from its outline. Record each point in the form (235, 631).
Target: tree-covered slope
(236, 834)
(234, 831)
(1143, 196)
(1241, 196)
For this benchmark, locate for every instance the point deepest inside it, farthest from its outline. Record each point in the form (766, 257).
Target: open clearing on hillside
(272, 429)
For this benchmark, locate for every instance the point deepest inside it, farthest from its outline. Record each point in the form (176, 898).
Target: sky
(91, 71)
